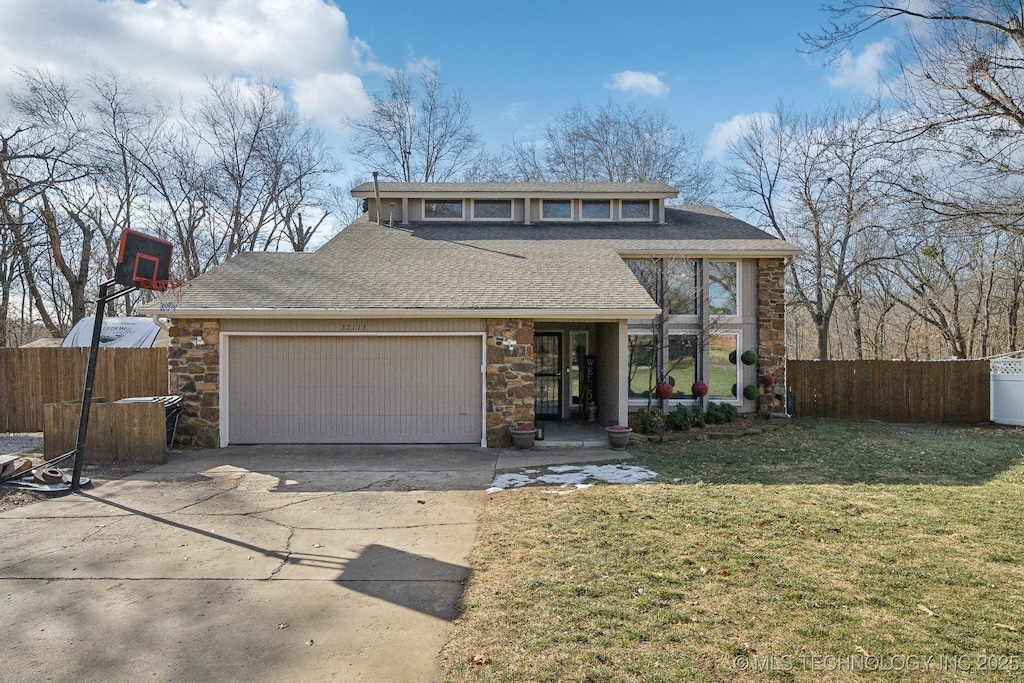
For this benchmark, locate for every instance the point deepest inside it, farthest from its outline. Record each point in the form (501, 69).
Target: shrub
(749, 357)
(721, 413)
(751, 392)
(697, 416)
(699, 388)
(649, 421)
(679, 418)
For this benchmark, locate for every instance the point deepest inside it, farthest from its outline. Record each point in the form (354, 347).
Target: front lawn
(827, 551)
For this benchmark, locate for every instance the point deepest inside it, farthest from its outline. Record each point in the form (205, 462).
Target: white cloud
(174, 46)
(863, 71)
(514, 111)
(725, 132)
(331, 97)
(638, 83)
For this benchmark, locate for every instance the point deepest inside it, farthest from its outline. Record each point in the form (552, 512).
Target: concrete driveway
(268, 563)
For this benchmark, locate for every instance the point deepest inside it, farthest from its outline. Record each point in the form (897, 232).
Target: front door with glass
(547, 382)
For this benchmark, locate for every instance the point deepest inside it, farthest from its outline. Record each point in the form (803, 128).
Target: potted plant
(618, 437)
(523, 437)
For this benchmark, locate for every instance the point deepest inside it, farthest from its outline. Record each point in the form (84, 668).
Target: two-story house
(458, 310)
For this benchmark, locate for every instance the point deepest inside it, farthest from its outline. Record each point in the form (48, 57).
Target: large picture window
(643, 365)
(442, 208)
(722, 288)
(682, 364)
(648, 273)
(723, 370)
(680, 287)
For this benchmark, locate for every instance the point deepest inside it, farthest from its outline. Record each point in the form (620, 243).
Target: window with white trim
(556, 209)
(636, 209)
(680, 287)
(492, 209)
(723, 287)
(643, 365)
(595, 210)
(723, 370)
(440, 209)
(682, 363)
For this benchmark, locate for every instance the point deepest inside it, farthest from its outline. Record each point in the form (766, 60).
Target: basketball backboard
(142, 260)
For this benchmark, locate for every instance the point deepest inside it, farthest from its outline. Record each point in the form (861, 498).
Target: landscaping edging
(697, 435)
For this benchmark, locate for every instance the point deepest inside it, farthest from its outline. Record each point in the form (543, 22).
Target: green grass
(823, 539)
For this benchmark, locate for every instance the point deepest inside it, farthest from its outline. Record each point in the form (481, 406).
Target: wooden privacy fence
(891, 391)
(118, 432)
(31, 378)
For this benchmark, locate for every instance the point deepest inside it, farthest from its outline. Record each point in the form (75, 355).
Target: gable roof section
(472, 269)
(376, 270)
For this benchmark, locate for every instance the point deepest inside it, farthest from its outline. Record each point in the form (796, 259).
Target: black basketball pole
(90, 377)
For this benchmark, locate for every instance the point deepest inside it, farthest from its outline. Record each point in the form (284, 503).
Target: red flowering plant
(619, 428)
(523, 428)
(699, 389)
(767, 380)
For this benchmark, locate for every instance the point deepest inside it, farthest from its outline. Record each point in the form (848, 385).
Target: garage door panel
(354, 389)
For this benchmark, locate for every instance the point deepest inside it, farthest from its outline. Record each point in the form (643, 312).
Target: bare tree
(613, 144)
(416, 131)
(961, 82)
(821, 182)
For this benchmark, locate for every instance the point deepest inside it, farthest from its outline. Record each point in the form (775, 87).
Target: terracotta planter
(523, 438)
(618, 439)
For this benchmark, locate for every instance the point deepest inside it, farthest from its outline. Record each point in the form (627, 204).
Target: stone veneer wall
(771, 320)
(195, 374)
(509, 380)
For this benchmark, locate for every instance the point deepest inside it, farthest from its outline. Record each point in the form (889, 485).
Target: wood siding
(31, 378)
(354, 389)
(955, 392)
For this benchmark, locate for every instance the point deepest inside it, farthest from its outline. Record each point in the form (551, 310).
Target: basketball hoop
(168, 293)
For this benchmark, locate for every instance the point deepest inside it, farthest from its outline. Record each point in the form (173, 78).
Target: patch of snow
(580, 476)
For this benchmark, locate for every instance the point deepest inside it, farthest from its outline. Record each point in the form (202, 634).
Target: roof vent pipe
(376, 194)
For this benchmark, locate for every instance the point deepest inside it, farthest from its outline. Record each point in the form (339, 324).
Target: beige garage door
(285, 389)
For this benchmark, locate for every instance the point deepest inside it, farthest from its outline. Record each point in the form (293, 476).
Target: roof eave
(371, 313)
(711, 253)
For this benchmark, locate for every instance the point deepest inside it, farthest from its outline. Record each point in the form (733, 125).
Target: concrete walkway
(270, 563)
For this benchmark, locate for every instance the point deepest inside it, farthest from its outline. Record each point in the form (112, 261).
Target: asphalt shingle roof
(617, 189)
(471, 266)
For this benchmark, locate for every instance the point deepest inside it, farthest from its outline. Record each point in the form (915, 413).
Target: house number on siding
(353, 328)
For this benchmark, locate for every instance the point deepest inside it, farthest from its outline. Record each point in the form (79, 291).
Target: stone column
(510, 394)
(193, 361)
(771, 321)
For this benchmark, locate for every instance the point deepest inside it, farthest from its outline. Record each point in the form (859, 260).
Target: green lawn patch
(823, 552)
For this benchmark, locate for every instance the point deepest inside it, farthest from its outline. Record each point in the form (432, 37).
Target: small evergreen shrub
(721, 413)
(649, 421)
(751, 392)
(679, 418)
(697, 416)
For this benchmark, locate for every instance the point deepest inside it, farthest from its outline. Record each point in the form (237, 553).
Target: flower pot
(523, 438)
(618, 438)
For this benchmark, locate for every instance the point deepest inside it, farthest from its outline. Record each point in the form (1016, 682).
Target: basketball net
(168, 293)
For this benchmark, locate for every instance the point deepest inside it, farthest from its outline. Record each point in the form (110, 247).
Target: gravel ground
(14, 442)
(30, 445)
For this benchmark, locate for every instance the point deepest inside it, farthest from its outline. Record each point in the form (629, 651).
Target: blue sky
(519, 63)
(708, 65)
